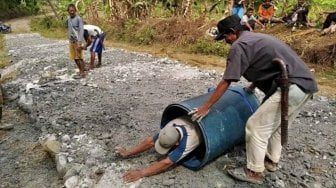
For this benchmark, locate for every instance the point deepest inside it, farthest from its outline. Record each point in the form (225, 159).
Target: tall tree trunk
(53, 9)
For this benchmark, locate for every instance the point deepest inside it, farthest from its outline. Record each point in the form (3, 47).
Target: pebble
(168, 182)
(280, 183)
(86, 117)
(6, 127)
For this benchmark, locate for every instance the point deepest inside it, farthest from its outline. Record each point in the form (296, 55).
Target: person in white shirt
(248, 21)
(94, 36)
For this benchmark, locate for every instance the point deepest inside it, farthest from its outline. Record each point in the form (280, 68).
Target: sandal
(270, 165)
(244, 174)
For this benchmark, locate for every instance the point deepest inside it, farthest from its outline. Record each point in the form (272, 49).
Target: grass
(328, 75)
(208, 47)
(49, 27)
(4, 60)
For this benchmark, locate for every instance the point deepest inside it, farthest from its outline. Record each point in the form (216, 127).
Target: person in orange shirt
(266, 13)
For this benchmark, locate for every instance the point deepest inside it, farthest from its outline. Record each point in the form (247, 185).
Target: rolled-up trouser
(263, 130)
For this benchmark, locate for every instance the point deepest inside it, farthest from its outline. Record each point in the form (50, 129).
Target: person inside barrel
(176, 140)
(94, 36)
(251, 56)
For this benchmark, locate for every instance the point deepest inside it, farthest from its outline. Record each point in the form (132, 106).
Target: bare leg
(99, 59)
(77, 63)
(80, 65)
(92, 59)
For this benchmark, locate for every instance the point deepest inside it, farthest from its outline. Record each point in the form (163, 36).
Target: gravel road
(120, 104)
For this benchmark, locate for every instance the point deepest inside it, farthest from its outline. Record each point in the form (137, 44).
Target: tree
(53, 9)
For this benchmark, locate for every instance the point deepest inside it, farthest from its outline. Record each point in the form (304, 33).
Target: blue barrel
(222, 128)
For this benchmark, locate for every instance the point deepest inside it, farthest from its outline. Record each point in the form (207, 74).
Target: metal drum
(222, 128)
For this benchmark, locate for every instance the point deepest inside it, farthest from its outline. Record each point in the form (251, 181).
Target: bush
(144, 36)
(4, 61)
(209, 47)
(12, 9)
(50, 27)
(132, 31)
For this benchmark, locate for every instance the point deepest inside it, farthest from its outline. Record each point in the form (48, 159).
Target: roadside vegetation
(4, 61)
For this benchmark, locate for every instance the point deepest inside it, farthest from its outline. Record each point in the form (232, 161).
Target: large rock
(26, 103)
(61, 164)
(51, 145)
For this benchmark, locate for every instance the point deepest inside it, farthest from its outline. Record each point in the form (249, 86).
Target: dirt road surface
(120, 104)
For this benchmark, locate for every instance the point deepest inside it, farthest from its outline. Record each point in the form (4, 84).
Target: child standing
(75, 35)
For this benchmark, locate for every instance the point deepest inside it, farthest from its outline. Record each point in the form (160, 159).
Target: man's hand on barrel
(198, 113)
(250, 89)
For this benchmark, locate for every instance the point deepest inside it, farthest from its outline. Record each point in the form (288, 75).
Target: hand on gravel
(121, 152)
(132, 175)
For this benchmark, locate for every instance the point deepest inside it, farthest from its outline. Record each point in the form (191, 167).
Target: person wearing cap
(177, 139)
(251, 55)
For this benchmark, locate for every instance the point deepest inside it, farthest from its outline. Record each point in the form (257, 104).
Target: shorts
(97, 45)
(74, 53)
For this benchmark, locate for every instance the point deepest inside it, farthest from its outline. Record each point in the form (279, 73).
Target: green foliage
(144, 36)
(15, 8)
(61, 7)
(125, 32)
(316, 7)
(129, 25)
(209, 47)
(325, 4)
(133, 33)
(4, 61)
(131, 29)
(48, 26)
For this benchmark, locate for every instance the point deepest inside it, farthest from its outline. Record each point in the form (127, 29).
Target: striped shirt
(189, 141)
